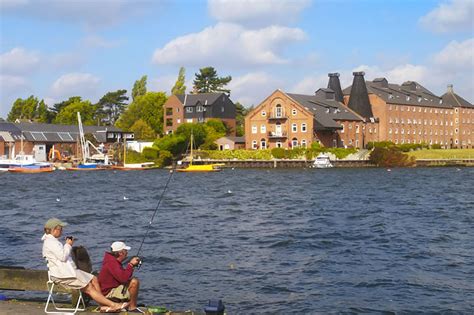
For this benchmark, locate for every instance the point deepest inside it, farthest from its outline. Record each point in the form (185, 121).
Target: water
(266, 241)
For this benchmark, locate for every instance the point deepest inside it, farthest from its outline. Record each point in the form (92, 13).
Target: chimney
(335, 85)
(359, 98)
(450, 88)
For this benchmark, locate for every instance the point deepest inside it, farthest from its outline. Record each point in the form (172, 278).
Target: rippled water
(266, 241)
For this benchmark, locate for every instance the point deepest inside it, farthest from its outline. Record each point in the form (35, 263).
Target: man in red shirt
(116, 280)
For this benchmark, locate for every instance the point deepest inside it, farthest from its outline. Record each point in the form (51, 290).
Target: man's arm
(121, 274)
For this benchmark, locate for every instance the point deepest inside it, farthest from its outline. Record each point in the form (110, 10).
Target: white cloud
(225, 44)
(11, 87)
(19, 61)
(456, 55)
(164, 83)
(450, 16)
(252, 88)
(82, 84)
(257, 12)
(309, 84)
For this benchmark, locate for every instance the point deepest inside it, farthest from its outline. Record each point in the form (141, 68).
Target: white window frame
(254, 144)
(254, 129)
(303, 127)
(294, 127)
(263, 129)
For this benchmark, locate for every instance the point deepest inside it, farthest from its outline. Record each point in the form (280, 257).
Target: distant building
(198, 108)
(410, 113)
(38, 139)
(230, 143)
(286, 120)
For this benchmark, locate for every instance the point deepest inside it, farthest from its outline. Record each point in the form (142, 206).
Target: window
(456, 131)
(264, 113)
(169, 122)
(350, 126)
(222, 109)
(390, 131)
(357, 128)
(402, 131)
(342, 130)
(254, 128)
(254, 144)
(357, 143)
(279, 144)
(294, 142)
(294, 127)
(370, 130)
(278, 111)
(390, 120)
(390, 107)
(293, 112)
(263, 129)
(189, 120)
(189, 109)
(178, 120)
(303, 127)
(263, 144)
(169, 111)
(303, 143)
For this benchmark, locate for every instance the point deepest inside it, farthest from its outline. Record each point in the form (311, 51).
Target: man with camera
(116, 280)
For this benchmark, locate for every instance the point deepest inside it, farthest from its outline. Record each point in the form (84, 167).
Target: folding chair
(62, 310)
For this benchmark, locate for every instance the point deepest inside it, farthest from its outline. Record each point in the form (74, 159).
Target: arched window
(278, 111)
(263, 144)
(294, 143)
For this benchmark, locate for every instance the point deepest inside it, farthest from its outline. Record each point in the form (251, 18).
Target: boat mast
(192, 140)
(124, 149)
(84, 146)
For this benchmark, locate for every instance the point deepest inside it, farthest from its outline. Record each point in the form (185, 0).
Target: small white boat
(19, 161)
(322, 161)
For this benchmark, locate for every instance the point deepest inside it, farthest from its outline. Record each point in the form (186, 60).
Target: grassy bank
(443, 154)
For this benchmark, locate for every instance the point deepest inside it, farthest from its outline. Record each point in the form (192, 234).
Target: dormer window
(408, 98)
(199, 108)
(390, 96)
(441, 101)
(189, 109)
(419, 99)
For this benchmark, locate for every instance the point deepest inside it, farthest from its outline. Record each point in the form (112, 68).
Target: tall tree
(139, 87)
(142, 131)
(149, 108)
(179, 87)
(68, 114)
(207, 81)
(111, 106)
(30, 108)
(241, 112)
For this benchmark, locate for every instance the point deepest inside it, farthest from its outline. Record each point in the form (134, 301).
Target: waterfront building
(409, 113)
(38, 139)
(198, 108)
(230, 143)
(287, 120)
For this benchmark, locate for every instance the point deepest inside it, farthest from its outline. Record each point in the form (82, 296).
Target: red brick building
(198, 108)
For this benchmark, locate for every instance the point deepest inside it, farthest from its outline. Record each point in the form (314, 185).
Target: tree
(139, 87)
(179, 87)
(149, 108)
(111, 106)
(30, 108)
(68, 114)
(198, 131)
(241, 112)
(142, 131)
(207, 81)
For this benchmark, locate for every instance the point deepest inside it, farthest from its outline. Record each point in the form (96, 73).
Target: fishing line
(156, 210)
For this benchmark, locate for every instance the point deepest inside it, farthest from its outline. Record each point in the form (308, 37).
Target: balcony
(277, 135)
(272, 116)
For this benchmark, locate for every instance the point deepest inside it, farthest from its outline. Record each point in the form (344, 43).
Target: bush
(390, 157)
(436, 146)
(239, 154)
(165, 158)
(380, 144)
(278, 153)
(134, 157)
(151, 153)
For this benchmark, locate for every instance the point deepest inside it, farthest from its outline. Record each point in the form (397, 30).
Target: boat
(199, 167)
(35, 168)
(322, 161)
(135, 166)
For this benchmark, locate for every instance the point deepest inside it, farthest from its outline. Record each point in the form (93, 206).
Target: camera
(71, 238)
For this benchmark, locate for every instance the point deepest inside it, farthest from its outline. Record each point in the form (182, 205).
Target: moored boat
(199, 167)
(322, 161)
(35, 168)
(135, 166)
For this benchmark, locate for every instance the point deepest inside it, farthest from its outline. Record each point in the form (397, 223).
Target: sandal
(108, 309)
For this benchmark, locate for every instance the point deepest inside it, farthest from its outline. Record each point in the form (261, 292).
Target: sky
(55, 49)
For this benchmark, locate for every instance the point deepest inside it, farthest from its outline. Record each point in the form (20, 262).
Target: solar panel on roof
(37, 136)
(65, 136)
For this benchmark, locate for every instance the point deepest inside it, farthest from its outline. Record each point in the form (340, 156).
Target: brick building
(289, 120)
(410, 113)
(198, 108)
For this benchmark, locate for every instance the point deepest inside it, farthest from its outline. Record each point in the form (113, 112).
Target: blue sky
(56, 49)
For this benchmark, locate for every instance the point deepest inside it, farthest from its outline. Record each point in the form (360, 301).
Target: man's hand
(135, 261)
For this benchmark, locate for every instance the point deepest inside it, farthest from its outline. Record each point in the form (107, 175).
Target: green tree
(58, 106)
(139, 87)
(30, 108)
(198, 131)
(176, 144)
(241, 112)
(111, 106)
(142, 131)
(179, 87)
(149, 108)
(68, 114)
(207, 81)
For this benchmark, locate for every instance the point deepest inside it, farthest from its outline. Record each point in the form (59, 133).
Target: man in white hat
(116, 280)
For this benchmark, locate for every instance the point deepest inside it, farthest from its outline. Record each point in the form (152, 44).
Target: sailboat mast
(124, 149)
(192, 140)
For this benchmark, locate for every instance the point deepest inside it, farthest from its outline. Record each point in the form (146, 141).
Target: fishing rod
(154, 213)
